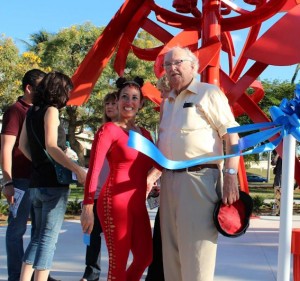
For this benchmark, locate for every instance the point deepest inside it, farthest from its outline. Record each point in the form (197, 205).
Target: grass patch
(76, 192)
(267, 192)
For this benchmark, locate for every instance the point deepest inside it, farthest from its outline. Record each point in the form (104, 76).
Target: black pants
(92, 257)
(156, 270)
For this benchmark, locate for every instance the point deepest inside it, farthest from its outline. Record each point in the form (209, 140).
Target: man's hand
(230, 186)
(230, 189)
(87, 218)
(8, 191)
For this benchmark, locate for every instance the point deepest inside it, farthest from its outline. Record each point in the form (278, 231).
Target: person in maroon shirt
(16, 169)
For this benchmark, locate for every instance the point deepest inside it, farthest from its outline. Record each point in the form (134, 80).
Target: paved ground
(250, 257)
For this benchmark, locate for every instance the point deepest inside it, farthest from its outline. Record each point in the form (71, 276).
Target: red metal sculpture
(207, 32)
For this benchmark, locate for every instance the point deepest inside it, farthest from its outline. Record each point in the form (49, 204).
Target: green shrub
(74, 207)
(3, 208)
(258, 202)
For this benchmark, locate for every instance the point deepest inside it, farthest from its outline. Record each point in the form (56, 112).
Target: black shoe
(52, 279)
(49, 278)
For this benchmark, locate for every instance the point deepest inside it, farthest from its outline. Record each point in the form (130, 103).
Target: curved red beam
(176, 20)
(280, 45)
(256, 16)
(187, 38)
(241, 62)
(157, 31)
(128, 37)
(88, 72)
(152, 93)
(256, 97)
(228, 47)
(233, 7)
(149, 54)
(289, 5)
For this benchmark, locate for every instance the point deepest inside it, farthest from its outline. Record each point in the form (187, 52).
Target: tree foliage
(12, 69)
(275, 92)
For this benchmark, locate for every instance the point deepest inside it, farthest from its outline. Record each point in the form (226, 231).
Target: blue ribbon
(148, 148)
(285, 121)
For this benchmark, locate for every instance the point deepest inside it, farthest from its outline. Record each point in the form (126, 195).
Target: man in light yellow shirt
(194, 124)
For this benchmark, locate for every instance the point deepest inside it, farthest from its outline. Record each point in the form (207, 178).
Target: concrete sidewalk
(252, 256)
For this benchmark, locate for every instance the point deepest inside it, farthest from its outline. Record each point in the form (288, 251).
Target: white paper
(17, 200)
(74, 177)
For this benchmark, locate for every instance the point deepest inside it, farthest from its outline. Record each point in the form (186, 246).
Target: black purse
(63, 175)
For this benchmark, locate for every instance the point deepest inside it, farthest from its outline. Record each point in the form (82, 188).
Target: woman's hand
(81, 173)
(150, 185)
(87, 218)
(152, 179)
(153, 191)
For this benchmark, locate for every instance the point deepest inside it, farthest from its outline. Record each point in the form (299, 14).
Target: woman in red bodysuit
(121, 204)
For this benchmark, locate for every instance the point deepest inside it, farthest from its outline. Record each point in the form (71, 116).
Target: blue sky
(19, 19)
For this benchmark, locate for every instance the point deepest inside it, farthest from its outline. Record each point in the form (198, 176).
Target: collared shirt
(194, 122)
(13, 119)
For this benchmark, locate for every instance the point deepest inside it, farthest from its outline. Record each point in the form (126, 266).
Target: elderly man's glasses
(168, 64)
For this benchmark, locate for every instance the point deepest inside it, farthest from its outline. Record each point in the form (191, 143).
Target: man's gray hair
(189, 56)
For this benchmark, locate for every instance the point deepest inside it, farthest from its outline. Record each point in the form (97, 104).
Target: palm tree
(36, 38)
(295, 73)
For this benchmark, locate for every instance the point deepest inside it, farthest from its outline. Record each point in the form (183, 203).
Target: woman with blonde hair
(92, 256)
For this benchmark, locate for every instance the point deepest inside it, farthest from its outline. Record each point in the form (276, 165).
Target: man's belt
(197, 168)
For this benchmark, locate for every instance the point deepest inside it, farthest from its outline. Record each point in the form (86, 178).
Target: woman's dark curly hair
(53, 90)
(137, 83)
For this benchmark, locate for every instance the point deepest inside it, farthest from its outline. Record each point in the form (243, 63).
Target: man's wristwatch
(231, 171)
